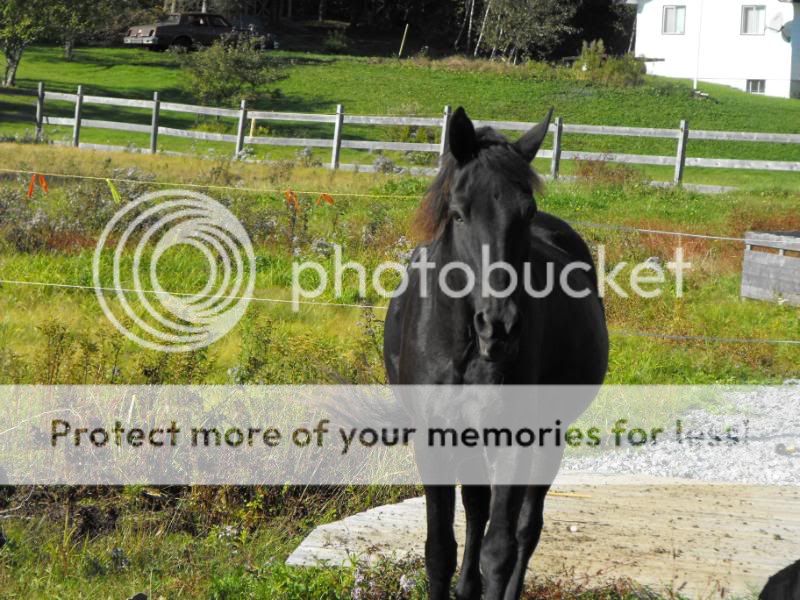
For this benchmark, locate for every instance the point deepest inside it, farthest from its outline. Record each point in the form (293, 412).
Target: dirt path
(704, 540)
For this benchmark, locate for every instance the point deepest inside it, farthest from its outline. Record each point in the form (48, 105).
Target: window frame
(757, 7)
(664, 19)
(763, 86)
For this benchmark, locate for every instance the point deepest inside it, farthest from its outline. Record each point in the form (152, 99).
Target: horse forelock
(495, 154)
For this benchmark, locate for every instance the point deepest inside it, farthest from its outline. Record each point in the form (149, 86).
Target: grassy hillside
(316, 83)
(212, 542)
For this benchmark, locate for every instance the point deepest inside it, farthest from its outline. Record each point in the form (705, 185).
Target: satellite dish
(786, 31)
(776, 22)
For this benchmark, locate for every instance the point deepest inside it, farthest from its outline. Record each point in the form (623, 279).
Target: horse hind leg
(529, 531)
(476, 499)
(440, 545)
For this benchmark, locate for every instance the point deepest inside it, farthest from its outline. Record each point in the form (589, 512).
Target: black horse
(484, 196)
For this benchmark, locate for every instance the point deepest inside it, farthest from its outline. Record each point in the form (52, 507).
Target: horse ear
(462, 139)
(528, 145)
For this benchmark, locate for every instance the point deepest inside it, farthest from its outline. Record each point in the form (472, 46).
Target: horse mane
(496, 153)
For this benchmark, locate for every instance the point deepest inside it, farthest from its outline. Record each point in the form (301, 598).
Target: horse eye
(458, 218)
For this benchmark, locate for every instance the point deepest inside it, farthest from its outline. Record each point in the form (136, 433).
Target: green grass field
(378, 86)
(231, 542)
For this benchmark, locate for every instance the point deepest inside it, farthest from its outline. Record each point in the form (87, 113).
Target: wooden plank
(772, 288)
(636, 159)
(196, 135)
(743, 136)
(124, 102)
(154, 123)
(284, 141)
(413, 121)
(623, 131)
(60, 96)
(773, 240)
(444, 140)
(264, 115)
(399, 146)
(69, 121)
(773, 263)
(729, 163)
(76, 125)
(416, 171)
(783, 279)
(555, 162)
(336, 144)
(506, 125)
(112, 148)
(240, 129)
(116, 125)
(199, 110)
(757, 292)
(680, 158)
(39, 111)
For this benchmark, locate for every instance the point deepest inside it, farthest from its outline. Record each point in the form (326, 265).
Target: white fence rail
(679, 161)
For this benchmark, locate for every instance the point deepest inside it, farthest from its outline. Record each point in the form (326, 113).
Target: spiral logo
(141, 234)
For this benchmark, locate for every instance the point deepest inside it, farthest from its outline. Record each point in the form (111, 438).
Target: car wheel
(182, 43)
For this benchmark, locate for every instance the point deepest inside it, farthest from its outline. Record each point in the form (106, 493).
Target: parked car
(185, 30)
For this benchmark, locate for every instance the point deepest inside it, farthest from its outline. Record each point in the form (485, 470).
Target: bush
(336, 42)
(228, 72)
(595, 65)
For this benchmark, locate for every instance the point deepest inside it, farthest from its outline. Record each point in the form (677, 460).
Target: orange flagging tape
(42, 184)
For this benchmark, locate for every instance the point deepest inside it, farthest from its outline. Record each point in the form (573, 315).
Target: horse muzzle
(494, 350)
(497, 330)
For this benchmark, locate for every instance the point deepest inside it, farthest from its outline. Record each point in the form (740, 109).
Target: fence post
(154, 124)
(443, 143)
(39, 111)
(76, 129)
(680, 159)
(240, 129)
(555, 163)
(337, 137)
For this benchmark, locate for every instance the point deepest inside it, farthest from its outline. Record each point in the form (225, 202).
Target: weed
(58, 341)
(336, 42)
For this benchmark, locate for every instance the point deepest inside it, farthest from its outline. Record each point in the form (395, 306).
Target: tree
(22, 22)
(77, 19)
(535, 28)
(225, 73)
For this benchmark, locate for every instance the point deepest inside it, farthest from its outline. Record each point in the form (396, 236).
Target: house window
(756, 86)
(674, 20)
(754, 20)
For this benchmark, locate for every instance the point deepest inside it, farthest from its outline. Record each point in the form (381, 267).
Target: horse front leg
(529, 530)
(476, 500)
(440, 545)
(499, 551)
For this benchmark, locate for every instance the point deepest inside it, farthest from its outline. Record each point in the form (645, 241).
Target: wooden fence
(679, 161)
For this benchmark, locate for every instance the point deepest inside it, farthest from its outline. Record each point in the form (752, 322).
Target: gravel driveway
(768, 450)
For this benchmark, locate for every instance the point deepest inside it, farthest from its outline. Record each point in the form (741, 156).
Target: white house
(753, 45)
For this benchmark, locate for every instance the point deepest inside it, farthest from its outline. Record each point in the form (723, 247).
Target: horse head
(480, 209)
